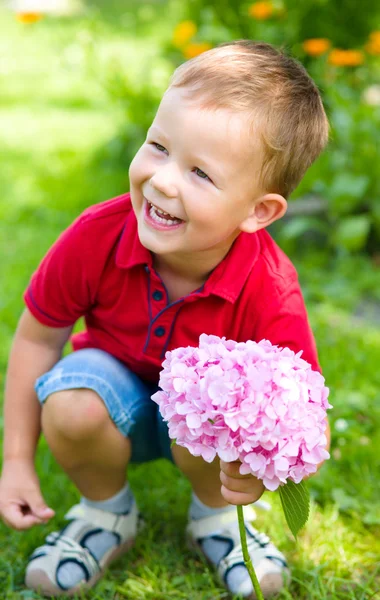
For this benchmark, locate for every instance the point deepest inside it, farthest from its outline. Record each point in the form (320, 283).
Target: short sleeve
(59, 292)
(284, 322)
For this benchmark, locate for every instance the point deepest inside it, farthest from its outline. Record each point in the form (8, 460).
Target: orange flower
(346, 58)
(28, 17)
(195, 49)
(373, 45)
(373, 48)
(374, 36)
(316, 46)
(183, 33)
(261, 10)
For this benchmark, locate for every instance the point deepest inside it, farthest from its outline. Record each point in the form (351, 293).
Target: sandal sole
(38, 581)
(271, 584)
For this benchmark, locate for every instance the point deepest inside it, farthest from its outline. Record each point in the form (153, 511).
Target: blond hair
(282, 102)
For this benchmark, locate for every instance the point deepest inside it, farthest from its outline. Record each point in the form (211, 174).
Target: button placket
(160, 330)
(157, 297)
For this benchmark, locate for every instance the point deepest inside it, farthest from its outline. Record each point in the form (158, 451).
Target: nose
(165, 180)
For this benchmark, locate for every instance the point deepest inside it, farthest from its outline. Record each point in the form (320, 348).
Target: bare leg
(95, 455)
(206, 483)
(204, 477)
(86, 443)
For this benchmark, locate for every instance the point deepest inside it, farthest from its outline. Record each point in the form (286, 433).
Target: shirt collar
(130, 251)
(226, 280)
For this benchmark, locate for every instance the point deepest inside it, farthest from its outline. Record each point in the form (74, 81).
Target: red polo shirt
(98, 269)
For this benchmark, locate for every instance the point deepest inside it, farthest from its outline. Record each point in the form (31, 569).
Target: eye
(201, 174)
(159, 147)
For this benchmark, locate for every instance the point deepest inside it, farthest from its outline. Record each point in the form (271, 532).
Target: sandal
(68, 545)
(269, 563)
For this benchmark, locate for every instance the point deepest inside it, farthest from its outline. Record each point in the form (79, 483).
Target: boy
(185, 253)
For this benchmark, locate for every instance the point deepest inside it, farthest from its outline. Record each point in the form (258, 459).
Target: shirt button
(157, 295)
(159, 331)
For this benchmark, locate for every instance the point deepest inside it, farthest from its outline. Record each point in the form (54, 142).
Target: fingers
(37, 505)
(243, 485)
(237, 488)
(238, 497)
(25, 511)
(232, 469)
(14, 516)
(40, 510)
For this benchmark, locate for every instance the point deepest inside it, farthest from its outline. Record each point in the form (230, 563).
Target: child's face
(194, 166)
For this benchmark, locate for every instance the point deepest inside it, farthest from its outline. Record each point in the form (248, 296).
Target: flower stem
(247, 558)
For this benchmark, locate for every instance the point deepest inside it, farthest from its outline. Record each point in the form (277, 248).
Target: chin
(147, 241)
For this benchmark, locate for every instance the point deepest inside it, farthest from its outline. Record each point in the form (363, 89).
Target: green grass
(55, 117)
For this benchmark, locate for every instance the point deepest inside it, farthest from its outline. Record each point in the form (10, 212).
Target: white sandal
(42, 573)
(269, 563)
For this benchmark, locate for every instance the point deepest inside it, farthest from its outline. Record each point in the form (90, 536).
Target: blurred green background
(77, 93)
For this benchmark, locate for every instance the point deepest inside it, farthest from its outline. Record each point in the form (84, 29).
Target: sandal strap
(124, 525)
(68, 550)
(201, 528)
(259, 546)
(69, 545)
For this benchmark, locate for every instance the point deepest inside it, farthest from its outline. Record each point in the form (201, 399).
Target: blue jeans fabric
(126, 397)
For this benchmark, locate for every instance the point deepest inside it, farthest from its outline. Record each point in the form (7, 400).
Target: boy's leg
(95, 417)
(204, 477)
(214, 528)
(86, 443)
(94, 455)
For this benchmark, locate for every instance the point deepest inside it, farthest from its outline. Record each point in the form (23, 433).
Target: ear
(266, 210)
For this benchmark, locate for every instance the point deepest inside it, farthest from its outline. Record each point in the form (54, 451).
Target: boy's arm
(35, 349)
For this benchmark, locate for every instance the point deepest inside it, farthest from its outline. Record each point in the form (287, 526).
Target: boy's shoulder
(255, 270)
(108, 221)
(273, 264)
(107, 210)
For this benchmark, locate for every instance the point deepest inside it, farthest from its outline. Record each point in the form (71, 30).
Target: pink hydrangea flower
(247, 401)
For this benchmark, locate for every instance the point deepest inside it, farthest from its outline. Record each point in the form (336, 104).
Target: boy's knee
(75, 414)
(187, 463)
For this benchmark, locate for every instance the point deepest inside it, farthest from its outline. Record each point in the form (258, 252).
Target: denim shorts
(126, 397)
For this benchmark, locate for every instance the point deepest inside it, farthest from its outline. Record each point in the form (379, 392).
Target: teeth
(162, 212)
(155, 216)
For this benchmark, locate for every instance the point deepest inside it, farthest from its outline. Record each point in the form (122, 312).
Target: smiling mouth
(160, 216)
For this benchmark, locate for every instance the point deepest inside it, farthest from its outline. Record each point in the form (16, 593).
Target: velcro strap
(124, 525)
(209, 525)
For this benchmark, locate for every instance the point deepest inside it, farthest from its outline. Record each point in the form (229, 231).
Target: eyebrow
(154, 130)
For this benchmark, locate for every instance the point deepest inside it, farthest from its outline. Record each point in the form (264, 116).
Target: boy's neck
(193, 271)
(188, 270)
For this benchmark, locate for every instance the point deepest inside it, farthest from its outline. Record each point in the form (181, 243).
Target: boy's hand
(21, 502)
(236, 488)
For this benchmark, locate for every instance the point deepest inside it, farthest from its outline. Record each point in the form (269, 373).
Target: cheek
(216, 219)
(206, 219)
(210, 209)
(137, 168)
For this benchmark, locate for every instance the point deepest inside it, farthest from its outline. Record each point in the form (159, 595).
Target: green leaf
(295, 502)
(173, 443)
(352, 232)
(348, 185)
(297, 226)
